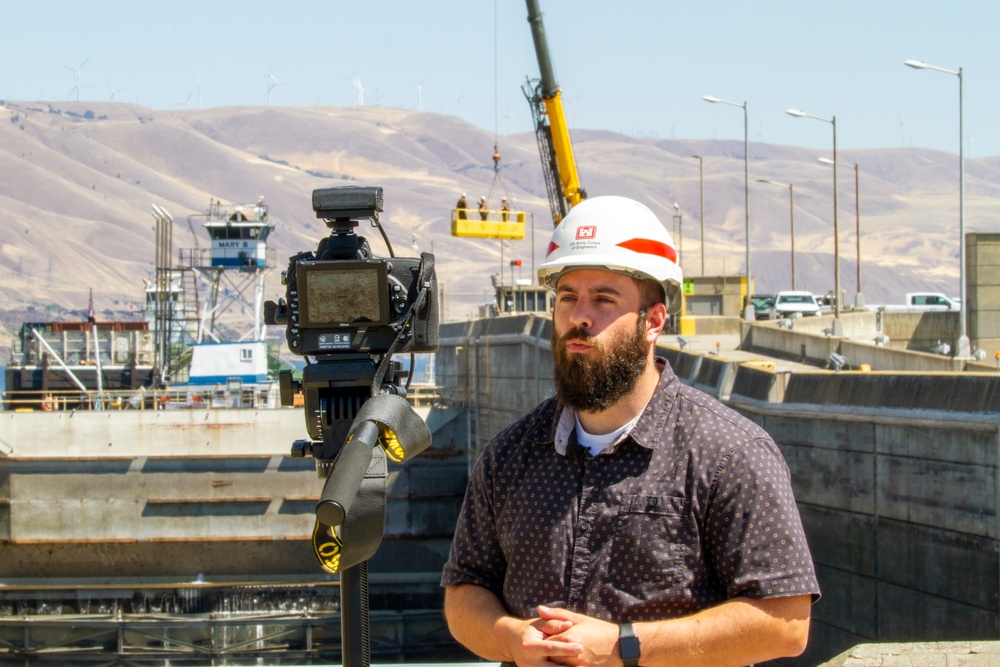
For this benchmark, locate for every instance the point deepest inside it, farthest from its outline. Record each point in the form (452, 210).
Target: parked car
(827, 302)
(762, 305)
(923, 302)
(787, 304)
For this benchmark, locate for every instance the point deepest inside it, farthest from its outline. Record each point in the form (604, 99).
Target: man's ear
(656, 319)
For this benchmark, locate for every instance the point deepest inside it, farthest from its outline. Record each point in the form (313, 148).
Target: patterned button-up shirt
(694, 507)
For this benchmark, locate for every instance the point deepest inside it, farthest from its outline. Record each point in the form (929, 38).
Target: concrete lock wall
(808, 343)
(901, 515)
(189, 493)
(896, 476)
(501, 368)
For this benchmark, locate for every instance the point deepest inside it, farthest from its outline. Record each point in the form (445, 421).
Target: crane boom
(562, 181)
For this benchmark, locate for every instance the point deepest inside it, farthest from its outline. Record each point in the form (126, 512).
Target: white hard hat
(463, 194)
(616, 234)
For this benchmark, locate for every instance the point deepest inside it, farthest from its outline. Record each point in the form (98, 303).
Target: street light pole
(962, 349)
(838, 326)
(748, 311)
(791, 216)
(701, 181)
(679, 226)
(859, 299)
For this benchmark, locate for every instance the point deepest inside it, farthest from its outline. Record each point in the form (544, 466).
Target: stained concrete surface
(920, 654)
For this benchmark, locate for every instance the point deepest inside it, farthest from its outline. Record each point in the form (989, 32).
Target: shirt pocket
(650, 547)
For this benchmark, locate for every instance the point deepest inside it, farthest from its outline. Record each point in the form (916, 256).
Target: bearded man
(630, 520)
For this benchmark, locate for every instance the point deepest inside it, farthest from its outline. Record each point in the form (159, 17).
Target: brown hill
(77, 181)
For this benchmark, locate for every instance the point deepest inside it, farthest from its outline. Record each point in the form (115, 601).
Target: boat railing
(256, 256)
(423, 395)
(187, 397)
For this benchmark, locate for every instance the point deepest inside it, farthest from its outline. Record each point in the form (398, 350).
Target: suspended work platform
(487, 224)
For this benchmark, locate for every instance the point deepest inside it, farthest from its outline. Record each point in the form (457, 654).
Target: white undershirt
(595, 444)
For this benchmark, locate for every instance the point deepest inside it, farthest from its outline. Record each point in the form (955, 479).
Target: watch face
(628, 647)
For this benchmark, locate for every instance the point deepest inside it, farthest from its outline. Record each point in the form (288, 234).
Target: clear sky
(640, 67)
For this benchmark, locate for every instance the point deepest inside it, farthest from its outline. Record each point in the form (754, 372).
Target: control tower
(234, 268)
(229, 341)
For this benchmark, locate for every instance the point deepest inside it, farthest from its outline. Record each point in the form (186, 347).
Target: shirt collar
(646, 432)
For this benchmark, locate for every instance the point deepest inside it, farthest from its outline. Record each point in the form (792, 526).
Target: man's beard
(594, 385)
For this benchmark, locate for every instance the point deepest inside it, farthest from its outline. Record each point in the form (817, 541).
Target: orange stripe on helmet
(553, 246)
(650, 247)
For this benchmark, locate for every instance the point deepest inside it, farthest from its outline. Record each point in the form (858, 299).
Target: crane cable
(496, 76)
(496, 122)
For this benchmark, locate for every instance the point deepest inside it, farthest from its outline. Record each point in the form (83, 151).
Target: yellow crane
(562, 182)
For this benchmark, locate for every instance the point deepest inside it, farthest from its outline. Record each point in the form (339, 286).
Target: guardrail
(257, 396)
(188, 397)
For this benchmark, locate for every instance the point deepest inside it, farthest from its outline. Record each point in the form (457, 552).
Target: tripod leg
(355, 628)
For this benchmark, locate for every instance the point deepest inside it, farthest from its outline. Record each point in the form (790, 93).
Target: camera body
(337, 306)
(342, 299)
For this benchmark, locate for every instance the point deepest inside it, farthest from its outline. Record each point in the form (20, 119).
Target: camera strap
(402, 436)
(358, 538)
(423, 293)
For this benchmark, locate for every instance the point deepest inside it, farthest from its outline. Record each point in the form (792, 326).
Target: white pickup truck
(794, 304)
(923, 302)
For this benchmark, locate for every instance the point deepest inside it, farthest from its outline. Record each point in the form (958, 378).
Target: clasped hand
(563, 637)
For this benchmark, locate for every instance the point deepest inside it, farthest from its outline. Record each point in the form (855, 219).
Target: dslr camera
(342, 299)
(347, 312)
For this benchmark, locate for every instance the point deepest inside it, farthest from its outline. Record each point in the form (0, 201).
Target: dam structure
(166, 536)
(185, 533)
(179, 534)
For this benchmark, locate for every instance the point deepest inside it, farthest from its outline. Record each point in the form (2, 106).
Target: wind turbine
(272, 84)
(114, 91)
(899, 129)
(276, 85)
(459, 99)
(420, 88)
(359, 87)
(198, 79)
(186, 103)
(508, 117)
(76, 78)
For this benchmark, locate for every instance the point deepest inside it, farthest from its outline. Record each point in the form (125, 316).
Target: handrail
(186, 397)
(492, 215)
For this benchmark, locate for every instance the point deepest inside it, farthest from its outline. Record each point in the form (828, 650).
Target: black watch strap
(628, 645)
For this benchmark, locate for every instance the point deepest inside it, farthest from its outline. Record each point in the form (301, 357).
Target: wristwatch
(628, 645)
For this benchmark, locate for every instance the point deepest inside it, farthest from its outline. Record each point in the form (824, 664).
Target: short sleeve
(476, 556)
(755, 538)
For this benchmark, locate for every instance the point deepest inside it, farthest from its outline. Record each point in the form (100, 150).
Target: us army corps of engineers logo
(585, 238)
